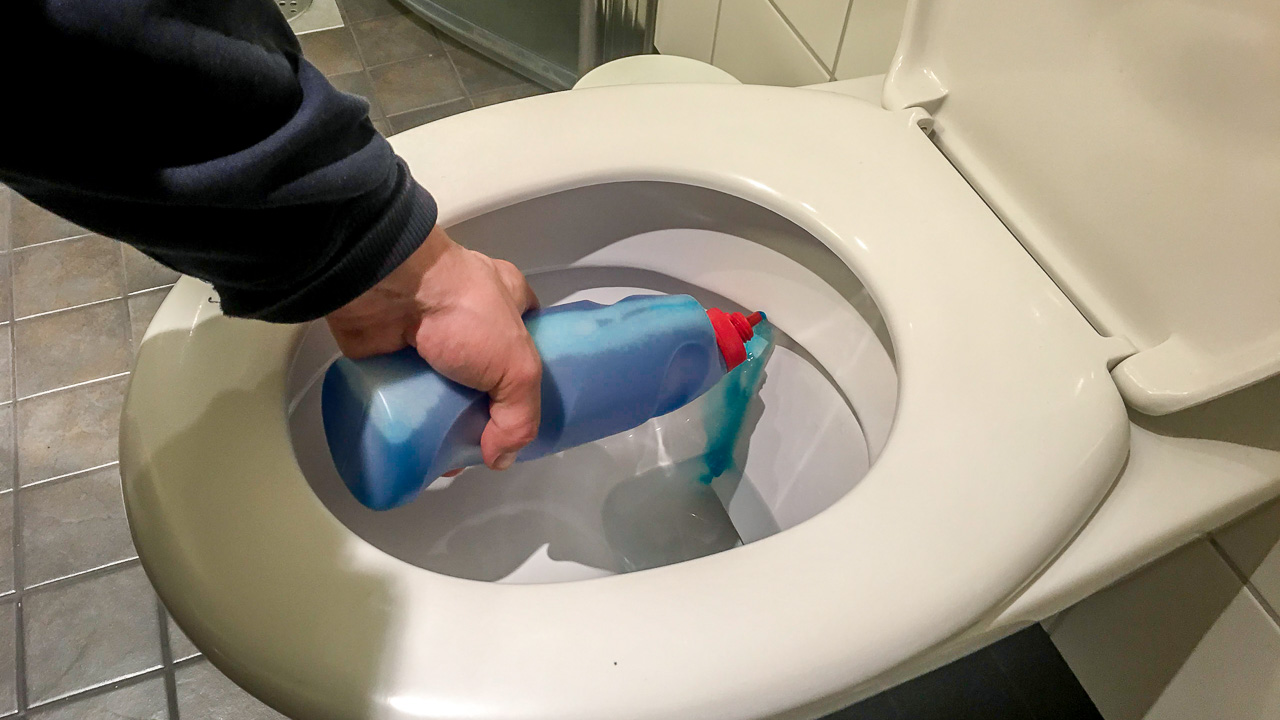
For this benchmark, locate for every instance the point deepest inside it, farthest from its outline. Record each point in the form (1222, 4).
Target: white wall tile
(1181, 640)
(819, 23)
(755, 45)
(686, 28)
(871, 38)
(1253, 544)
(1233, 673)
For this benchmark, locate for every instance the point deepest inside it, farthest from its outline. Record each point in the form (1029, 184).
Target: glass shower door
(552, 41)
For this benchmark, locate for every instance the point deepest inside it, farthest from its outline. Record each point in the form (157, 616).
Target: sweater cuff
(404, 224)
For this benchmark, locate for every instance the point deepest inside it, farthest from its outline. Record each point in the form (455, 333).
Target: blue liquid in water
(672, 514)
(726, 405)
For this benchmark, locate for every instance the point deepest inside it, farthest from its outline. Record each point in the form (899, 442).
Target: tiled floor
(410, 73)
(81, 633)
(1019, 678)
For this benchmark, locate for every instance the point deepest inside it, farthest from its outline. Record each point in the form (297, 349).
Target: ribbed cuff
(404, 224)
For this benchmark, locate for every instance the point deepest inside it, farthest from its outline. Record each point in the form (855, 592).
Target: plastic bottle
(393, 424)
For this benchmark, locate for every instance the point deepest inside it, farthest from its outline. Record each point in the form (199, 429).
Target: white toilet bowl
(937, 425)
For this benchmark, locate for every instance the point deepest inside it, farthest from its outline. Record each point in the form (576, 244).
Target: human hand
(462, 311)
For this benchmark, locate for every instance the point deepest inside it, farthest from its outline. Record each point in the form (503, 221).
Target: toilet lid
(1134, 149)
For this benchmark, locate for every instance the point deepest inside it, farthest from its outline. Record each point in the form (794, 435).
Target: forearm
(213, 147)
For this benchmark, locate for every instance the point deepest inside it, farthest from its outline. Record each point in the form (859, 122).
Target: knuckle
(524, 433)
(525, 373)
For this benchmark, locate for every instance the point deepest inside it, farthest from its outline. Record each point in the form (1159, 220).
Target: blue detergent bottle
(393, 424)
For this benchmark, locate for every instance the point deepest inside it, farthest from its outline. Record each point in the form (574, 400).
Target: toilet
(1027, 320)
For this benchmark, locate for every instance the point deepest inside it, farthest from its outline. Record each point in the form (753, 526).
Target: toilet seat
(954, 517)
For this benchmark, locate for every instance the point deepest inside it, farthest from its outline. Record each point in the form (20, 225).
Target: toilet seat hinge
(1116, 349)
(919, 117)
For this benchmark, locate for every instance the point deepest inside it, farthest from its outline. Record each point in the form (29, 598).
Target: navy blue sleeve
(195, 131)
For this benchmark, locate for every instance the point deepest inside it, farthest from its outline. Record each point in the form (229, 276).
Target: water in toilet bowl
(635, 501)
(674, 489)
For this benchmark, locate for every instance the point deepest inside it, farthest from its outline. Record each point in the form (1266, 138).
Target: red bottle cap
(733, 330)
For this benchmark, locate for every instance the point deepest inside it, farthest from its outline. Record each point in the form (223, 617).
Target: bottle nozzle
(733, 330)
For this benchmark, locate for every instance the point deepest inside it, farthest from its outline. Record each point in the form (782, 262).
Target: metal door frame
(607, 30)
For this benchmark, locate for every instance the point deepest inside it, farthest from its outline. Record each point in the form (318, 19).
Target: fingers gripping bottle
(393, 424)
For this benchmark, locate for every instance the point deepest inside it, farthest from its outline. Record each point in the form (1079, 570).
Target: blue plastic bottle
(393, 424)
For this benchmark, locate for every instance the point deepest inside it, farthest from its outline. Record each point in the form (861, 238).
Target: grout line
(72, 386)
(19, 635)
(102, 688)
(166, 660)
(1245, 579)
(466, 94)
(835, 61)
(83, 574)
(432, 105)
(46, 313)
(350, 27)
(144, 291)
(71, 475)
(442, 51)
(124, 271)
(374, 102)
(715, 31)
(128, 325)
(92, 691)
(43, 243)
(800, 37)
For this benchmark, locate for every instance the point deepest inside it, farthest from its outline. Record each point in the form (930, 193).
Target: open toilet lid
(1134, 149)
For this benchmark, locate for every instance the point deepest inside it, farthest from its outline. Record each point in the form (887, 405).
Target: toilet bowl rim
(814, 645)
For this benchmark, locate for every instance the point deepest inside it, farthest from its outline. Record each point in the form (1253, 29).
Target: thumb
(514, 410)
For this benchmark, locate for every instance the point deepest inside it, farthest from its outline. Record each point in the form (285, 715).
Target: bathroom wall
(784, 42)
(1195, 636)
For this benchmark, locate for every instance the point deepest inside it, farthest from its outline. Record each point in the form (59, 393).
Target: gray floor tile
(6, 543)
(71, 346)
(421, 116)
(73, 525)
(358, 10)
(140, 701)
(417, 83)
(6, 446)
(143, 307)
(6, 363)
(393, 38)
(180, 646)
(205, 693)
(29, 223)
(5, 201)
(83, 634)
(68, 431)
(383, 127)
(357, 83)
(8, 659)
(480, 74)
(66, 273)
(876, 707)
(505, 94)
(333, 52)
(143, 273)
(6, 306)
